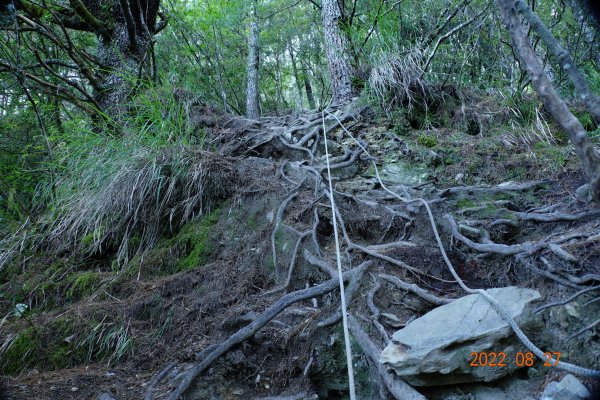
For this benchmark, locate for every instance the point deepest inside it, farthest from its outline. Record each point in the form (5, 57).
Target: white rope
(500, 309)
(340, 273)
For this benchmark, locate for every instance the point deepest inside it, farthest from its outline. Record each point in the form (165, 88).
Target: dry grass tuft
(396, 78)
(130, 205)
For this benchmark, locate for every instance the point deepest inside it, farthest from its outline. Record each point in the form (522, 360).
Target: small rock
(69, 339)
(569, 388)
(572, 311)
(105, 396)
(392, 320)
(74, 389)
(459, 177)
(583, 193)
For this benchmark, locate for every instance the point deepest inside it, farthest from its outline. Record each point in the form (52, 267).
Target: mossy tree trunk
(252, 103)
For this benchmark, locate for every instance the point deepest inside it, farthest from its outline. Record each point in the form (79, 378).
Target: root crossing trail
(300, 148)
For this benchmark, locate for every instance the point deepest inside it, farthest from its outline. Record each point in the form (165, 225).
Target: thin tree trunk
(308, 87)
(296, 76)
(278, 88)
(218, 73)
(252, 107)
(553, 103)
(591, 101)
(336, 50)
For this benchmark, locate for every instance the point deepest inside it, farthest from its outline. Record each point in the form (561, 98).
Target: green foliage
(586, 119)
(465, 203)
(20, 351)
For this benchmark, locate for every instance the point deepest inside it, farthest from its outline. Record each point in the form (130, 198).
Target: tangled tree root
(377, 213)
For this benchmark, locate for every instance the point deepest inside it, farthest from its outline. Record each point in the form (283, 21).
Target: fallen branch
(565, 301)
(250, 329)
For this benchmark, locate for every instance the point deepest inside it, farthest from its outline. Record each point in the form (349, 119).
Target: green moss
(82, 284)
(400, 122)
(465, 203)
(60, 357)
(427, 141)
(251, 223)
(197, 236)
(23, 352)
(88, 239)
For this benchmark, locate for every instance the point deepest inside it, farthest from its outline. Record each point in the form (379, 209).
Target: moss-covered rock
(197, 237)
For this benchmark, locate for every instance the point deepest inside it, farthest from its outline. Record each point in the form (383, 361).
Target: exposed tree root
(379, 214)
(397, 387)
(253, 327)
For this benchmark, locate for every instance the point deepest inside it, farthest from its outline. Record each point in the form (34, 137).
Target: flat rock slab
(436, 348)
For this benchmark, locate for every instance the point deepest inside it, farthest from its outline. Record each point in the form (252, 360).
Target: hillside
(293, 200)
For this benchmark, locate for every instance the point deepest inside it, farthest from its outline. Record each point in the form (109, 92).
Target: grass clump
(110, 340)
(427, 141)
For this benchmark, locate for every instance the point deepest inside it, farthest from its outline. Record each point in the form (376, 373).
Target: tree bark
(252, 103)
(296, 75)
(308, 87)
(336, 51)
(591, 101)
(123, 66)
(123, 50)
(553, 103)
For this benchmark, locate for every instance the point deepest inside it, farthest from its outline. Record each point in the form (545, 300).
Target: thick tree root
(253, 327)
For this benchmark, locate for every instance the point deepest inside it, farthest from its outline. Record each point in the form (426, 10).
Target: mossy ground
(47, 341)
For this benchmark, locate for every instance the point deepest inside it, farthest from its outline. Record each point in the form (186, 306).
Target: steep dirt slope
(97, 328)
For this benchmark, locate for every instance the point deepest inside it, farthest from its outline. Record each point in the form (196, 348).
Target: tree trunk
(336, 50)
(553, 103)
(252, 107)
(591, 101)
(308, 87)
(296, 76)
(124, 50)
(124, 66)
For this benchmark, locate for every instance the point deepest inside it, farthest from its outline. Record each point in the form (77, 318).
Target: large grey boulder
(569, 388)
(436, 348)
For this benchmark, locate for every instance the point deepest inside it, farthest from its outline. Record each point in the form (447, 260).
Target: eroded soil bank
(259, 226)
